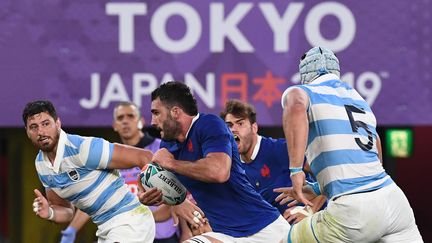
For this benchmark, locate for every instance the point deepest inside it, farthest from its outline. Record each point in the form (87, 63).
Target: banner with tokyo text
(86, 55)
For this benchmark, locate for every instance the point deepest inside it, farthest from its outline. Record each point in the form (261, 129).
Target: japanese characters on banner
(85, 56)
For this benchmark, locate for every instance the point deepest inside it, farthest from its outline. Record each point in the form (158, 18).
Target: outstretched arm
(125, 157)
(296, 128)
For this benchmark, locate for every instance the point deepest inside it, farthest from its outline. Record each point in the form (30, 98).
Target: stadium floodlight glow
(399, 142)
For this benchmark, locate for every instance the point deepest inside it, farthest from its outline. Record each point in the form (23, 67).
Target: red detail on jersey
(190, 146)
(265, 171)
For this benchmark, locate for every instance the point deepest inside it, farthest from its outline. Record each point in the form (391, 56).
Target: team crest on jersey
(190, 146)
(74, 175)
(265, 171)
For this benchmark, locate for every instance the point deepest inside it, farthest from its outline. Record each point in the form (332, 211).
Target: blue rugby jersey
(341, 146)
(233, 208)
(80, 175)
(269, 169)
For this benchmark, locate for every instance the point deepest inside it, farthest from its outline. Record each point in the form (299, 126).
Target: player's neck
(186, 123)
(247, 157)
(133, 140)
(52, 155)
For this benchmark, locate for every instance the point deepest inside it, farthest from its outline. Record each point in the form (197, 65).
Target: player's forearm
(79, 220)
(61, 214)
(162, 213)
(296, 131)
(209, 170)
(125, 157)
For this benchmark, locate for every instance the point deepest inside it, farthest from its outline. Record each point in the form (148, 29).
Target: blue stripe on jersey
(333, 127)
(338, 101)
(90, 188)
(70, 151)
(105, 195)
(339, 157)
(76, 140)
(62, 179)
(338, 187)
(39, 157)
(94, 157)
(111, 150)
(116, 210)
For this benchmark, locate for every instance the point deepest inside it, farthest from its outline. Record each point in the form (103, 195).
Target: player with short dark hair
(202, 152)
(80, 171)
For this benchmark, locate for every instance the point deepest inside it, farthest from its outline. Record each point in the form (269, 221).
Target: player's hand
(189, 212)
(297, 192)
(163, 158)
(152, 197)
(68, 235)
(285, 195)
(40, 205)
(201, 229)
(297, 213)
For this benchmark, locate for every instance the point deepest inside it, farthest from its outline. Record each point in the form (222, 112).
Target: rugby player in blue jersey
(329, 122)
(202, 152)
(80, 171)
(264, 159)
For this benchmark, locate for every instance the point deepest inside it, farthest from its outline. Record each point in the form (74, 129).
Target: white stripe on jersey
(97, 191)
(84, 151)
(113, 201)
(328, 111)
(333, 143)
(348, 171)
(103, 163)
(44, 167)
(339, 92)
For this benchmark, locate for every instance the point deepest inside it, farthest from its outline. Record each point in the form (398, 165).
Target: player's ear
(58, 123)
(140, 124)
(255, 127)
(175, 112)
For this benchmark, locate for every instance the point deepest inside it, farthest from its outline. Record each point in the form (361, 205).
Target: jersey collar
(193, 121)
(60, 151)
(255, 150)
(324, 78)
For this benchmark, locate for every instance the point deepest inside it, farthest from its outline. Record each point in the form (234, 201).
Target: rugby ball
(173, 192)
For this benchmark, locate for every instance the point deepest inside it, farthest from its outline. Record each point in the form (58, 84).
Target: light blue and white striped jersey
(80, 175)
(341, 148)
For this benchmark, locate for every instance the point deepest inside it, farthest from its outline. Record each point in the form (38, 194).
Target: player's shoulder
(273, 141)
(209, 118)
(206, 121)
(270, 143)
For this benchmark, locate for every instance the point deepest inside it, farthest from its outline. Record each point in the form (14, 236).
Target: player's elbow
(222, 177)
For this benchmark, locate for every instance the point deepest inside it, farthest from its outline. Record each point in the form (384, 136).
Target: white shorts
(273, 232)
(135, 226)
(383, 215)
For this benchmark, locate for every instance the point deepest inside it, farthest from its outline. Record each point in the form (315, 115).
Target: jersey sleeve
(215, 136)
(96, 153)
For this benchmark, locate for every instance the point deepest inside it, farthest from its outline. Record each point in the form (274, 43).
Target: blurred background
(87, 55)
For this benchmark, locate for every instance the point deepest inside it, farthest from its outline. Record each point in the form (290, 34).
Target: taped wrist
(295, 170)
(50, 213)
